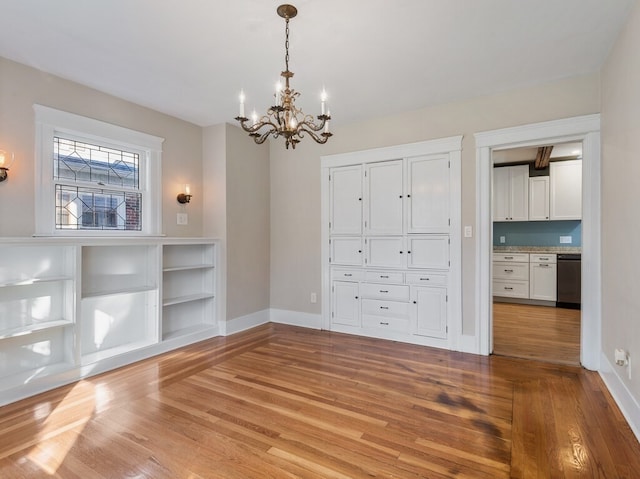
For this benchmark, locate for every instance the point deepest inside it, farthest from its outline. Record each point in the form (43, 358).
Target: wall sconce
(5, 163)
(186, 196)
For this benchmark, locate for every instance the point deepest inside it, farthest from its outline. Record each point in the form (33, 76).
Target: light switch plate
(183, 219)
(565, 239)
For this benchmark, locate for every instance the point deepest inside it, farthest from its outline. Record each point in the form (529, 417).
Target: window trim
(50, 122)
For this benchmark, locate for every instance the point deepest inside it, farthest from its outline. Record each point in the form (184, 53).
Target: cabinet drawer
(384, 277)
(387, 309)
(511, 289)
(347, 275)
(510, 271)
(427, 279)
(543, 258)
(400, 325)
(511, 257)
(391, 292)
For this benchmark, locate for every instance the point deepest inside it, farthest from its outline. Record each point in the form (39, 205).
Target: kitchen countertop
(537, 249)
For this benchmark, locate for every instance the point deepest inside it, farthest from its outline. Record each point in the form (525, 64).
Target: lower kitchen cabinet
(346, 303)
(543, 277)
(429, 311)
(527, 276)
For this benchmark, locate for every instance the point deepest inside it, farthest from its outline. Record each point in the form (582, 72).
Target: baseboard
(242, 323)
(622, 396)
(468, 344)
(296, 318)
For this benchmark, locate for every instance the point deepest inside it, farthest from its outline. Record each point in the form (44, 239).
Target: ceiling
(190, 58)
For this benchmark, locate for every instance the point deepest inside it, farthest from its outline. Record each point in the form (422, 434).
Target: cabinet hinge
(333, 289)
(332, 314)
(329, 259)
(329, 224)
(446, 298)
(449, 241)
(329, 177)
(446, 329)
(449, 162)
(449, 262)
(449, 221)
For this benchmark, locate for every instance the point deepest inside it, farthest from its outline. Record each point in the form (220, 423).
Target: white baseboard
(468, 344)
(622, 396)
(295, 318)
(243, 323)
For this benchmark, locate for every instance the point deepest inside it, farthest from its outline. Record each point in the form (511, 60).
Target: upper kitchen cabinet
(511, 193)
(565, 179)
(384, 211)
(539, 198)
(428, 194)
(346, 200)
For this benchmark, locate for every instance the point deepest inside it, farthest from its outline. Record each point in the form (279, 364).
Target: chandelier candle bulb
(323, 100)
(241, 104)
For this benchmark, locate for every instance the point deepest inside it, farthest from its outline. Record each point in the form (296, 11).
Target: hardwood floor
(285, 402)
(537, 332)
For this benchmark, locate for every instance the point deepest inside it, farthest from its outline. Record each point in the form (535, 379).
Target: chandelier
(284, 118)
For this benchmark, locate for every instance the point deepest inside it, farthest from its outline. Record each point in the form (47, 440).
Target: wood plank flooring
(537, 332)
(286, 402)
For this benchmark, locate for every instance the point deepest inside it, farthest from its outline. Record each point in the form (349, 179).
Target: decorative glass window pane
(79, 161)
(97, 209)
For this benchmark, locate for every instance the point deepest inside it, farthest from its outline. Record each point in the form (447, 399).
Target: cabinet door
(384, 198)
(428, 251)
(539, 198)
(566, 190)
(346, 250)
(345, 209)
(428, 195)
(542, 281)
(430, 311)
(501, 194)
(346, 303)
(519, 195)
(386, 252)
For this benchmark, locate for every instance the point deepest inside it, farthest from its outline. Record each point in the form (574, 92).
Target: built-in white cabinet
(71, 308)
(511, 193)
(428, 194)
(345, 308)
(346, 201)
(384, 197)
(394, 279)
(542, 277)
(539, 198)
(565, 179)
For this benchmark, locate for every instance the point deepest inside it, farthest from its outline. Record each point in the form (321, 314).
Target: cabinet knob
(408, 196)
(415, 302)
(356, 297)
(400, 196)
(408, 252)
(400, 252)
(359, 251)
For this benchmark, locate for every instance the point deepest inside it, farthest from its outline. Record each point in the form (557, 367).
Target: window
(95, 178)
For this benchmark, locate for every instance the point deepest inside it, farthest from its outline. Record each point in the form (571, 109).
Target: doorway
(585, 129)
(536, 211)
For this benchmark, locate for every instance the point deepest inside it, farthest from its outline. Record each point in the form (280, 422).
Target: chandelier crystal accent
(284, 118)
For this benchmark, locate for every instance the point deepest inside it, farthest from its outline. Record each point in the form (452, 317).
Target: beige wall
(22, 86)
(248, 223)
(295, 176)
(620, 199)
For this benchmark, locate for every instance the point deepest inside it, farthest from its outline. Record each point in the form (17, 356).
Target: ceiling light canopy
(284, 118)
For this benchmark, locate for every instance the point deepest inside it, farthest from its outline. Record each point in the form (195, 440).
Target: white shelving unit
(188, 289)
(70, 308)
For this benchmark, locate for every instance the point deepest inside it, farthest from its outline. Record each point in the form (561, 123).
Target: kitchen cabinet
(565, 179)
(511, 275)
(511, 193)
(542, 277)
(346, 250)
(385, 251)
(539, 198)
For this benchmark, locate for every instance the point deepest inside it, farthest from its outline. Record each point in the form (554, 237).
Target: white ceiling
(190, 58)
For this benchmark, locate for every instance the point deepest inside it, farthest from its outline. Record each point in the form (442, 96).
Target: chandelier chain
(286, 47)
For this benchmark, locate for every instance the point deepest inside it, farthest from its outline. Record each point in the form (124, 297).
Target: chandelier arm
(257, 126)
(312, 125)
(321, 138)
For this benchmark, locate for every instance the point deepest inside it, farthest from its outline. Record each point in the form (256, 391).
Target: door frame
(582, 128)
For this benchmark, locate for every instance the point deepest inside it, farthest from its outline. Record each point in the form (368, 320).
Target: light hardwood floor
(537, 332)
(285, 402)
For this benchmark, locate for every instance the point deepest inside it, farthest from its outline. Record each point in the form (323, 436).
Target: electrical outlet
(565, 240)
(183, 219)
(503, 239)
(314, 298)
(468, 232)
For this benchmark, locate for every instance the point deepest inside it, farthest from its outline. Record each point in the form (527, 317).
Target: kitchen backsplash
(537, 233)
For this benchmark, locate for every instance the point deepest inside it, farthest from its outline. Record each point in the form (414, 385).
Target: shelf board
(33, 328)
(188, 267)
(115, 351)
(186, 298)
(199, 328)
(115, 291)
(30, 281)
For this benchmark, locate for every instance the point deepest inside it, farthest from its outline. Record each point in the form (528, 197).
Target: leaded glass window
(97, 187)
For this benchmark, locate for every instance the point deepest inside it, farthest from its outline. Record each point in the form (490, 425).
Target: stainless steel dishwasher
(569, 282)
